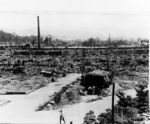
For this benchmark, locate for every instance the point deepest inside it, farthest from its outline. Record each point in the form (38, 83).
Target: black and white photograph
(74, 61)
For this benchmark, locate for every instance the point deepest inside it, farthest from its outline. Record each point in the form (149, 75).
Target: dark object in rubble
(53, 79)
(98, 78)
(92, 100)
(13, 93)
(18, 70)
(56, 53)
(21, 53)
(64, 74)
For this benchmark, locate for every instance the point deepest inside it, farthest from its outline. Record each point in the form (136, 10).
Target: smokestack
(39, 44)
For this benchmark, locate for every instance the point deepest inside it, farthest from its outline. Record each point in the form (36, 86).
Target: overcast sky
(77, 18)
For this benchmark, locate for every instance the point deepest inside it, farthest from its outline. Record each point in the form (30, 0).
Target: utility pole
(53, 62)
(39, 44)
(113, 92)
(82, 65)
(108, 53)
(107, 60)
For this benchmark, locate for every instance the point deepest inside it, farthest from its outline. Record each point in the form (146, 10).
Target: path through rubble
(21, 109)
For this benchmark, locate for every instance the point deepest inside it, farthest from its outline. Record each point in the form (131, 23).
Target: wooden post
(122, 113)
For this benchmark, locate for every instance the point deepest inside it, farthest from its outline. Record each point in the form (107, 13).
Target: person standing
(62, 117)
(93, 90)
(89, 90)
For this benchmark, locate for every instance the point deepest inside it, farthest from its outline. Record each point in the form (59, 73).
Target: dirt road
(22, 107)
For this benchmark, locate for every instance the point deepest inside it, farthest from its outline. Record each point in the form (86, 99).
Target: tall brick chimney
(38, 22)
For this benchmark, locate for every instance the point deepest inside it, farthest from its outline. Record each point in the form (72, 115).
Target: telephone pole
(113, 93)
(82, 65)
(108, 53)
(113, 98)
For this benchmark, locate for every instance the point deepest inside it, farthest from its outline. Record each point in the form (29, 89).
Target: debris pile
(68, 95)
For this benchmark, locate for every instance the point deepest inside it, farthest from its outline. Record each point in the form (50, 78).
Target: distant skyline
(76, 20)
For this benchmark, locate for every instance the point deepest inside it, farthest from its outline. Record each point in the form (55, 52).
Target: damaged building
(98, 78)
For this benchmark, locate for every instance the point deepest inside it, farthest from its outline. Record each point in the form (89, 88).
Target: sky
(79, 19)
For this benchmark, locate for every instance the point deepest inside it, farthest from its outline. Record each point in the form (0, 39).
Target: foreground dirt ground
(21, 109)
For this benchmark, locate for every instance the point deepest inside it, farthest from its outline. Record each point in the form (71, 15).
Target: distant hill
(10, 38)
(50, 40)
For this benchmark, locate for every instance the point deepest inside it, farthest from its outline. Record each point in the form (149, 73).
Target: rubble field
(22, 84)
